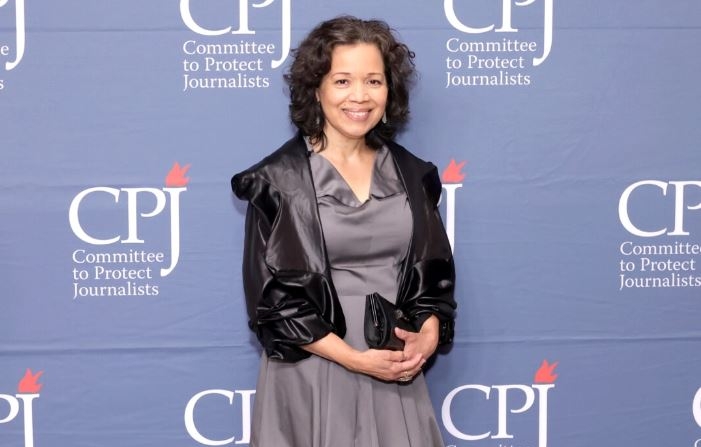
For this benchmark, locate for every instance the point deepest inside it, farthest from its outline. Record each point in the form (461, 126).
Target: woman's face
(353, 94)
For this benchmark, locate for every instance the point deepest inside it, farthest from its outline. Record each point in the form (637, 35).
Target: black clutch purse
(381, 317)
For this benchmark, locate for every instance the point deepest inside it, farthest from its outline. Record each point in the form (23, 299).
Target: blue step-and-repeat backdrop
(568, 138)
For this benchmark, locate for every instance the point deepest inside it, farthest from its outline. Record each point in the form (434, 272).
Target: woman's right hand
(390, 366)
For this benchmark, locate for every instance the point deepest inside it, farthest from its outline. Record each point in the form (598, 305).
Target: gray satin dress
(316, 402)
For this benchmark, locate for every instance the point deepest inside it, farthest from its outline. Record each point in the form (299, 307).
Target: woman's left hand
(423, 342)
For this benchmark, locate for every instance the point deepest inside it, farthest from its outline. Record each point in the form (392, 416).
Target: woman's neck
(344, 149)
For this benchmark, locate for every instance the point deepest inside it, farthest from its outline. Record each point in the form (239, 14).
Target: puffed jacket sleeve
(430, 281)
(279, 307)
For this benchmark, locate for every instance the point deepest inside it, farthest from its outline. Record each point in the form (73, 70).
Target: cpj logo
(219, 401)
(534, 398)
(16, 48)
(452, 180)
(660, 215)
(113, 260)
(230, 56)
(28, 390)
(495, 54)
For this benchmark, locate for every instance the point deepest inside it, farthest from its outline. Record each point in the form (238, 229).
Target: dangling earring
(319, 112)
(384, 117)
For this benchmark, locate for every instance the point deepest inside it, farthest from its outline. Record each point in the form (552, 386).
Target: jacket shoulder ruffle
(247, 183)
(424, 170)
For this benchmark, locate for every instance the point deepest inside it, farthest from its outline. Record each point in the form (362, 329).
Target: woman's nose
(359, 91)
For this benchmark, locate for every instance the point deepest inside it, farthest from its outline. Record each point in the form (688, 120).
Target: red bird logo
(176, 176)
(28, 384)
(545, 373)
(452, 173)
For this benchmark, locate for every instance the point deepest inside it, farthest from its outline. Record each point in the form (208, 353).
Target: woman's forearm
(332, 347)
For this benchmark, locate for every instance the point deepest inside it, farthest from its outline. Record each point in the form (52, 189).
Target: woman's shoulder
(408, 160)
(288, 158)
(417, 171)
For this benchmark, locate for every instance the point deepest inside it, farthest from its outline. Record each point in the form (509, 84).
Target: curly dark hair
(312, 61)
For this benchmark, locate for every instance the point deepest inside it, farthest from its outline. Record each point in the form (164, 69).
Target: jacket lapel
(413, 176)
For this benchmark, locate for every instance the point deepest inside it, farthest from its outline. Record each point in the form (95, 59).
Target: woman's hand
(379, 363)
(388, 365)
(424, 342)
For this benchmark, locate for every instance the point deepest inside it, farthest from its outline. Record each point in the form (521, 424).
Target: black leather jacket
(290, 298)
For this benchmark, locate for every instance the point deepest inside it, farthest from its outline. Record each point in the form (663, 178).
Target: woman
(338, 212)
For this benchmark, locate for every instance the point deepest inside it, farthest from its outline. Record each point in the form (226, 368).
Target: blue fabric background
(98, 99)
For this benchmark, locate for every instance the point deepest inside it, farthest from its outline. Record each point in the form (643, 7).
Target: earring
(319, 113)
(384, 117)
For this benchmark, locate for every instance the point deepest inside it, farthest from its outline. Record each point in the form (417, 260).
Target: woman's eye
(342, 81)
(375, 82)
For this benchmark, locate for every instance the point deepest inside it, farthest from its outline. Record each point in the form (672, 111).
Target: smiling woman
(338, 213)
(313, 61)
(353, 94)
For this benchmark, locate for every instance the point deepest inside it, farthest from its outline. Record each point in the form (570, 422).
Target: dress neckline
(329, 182)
